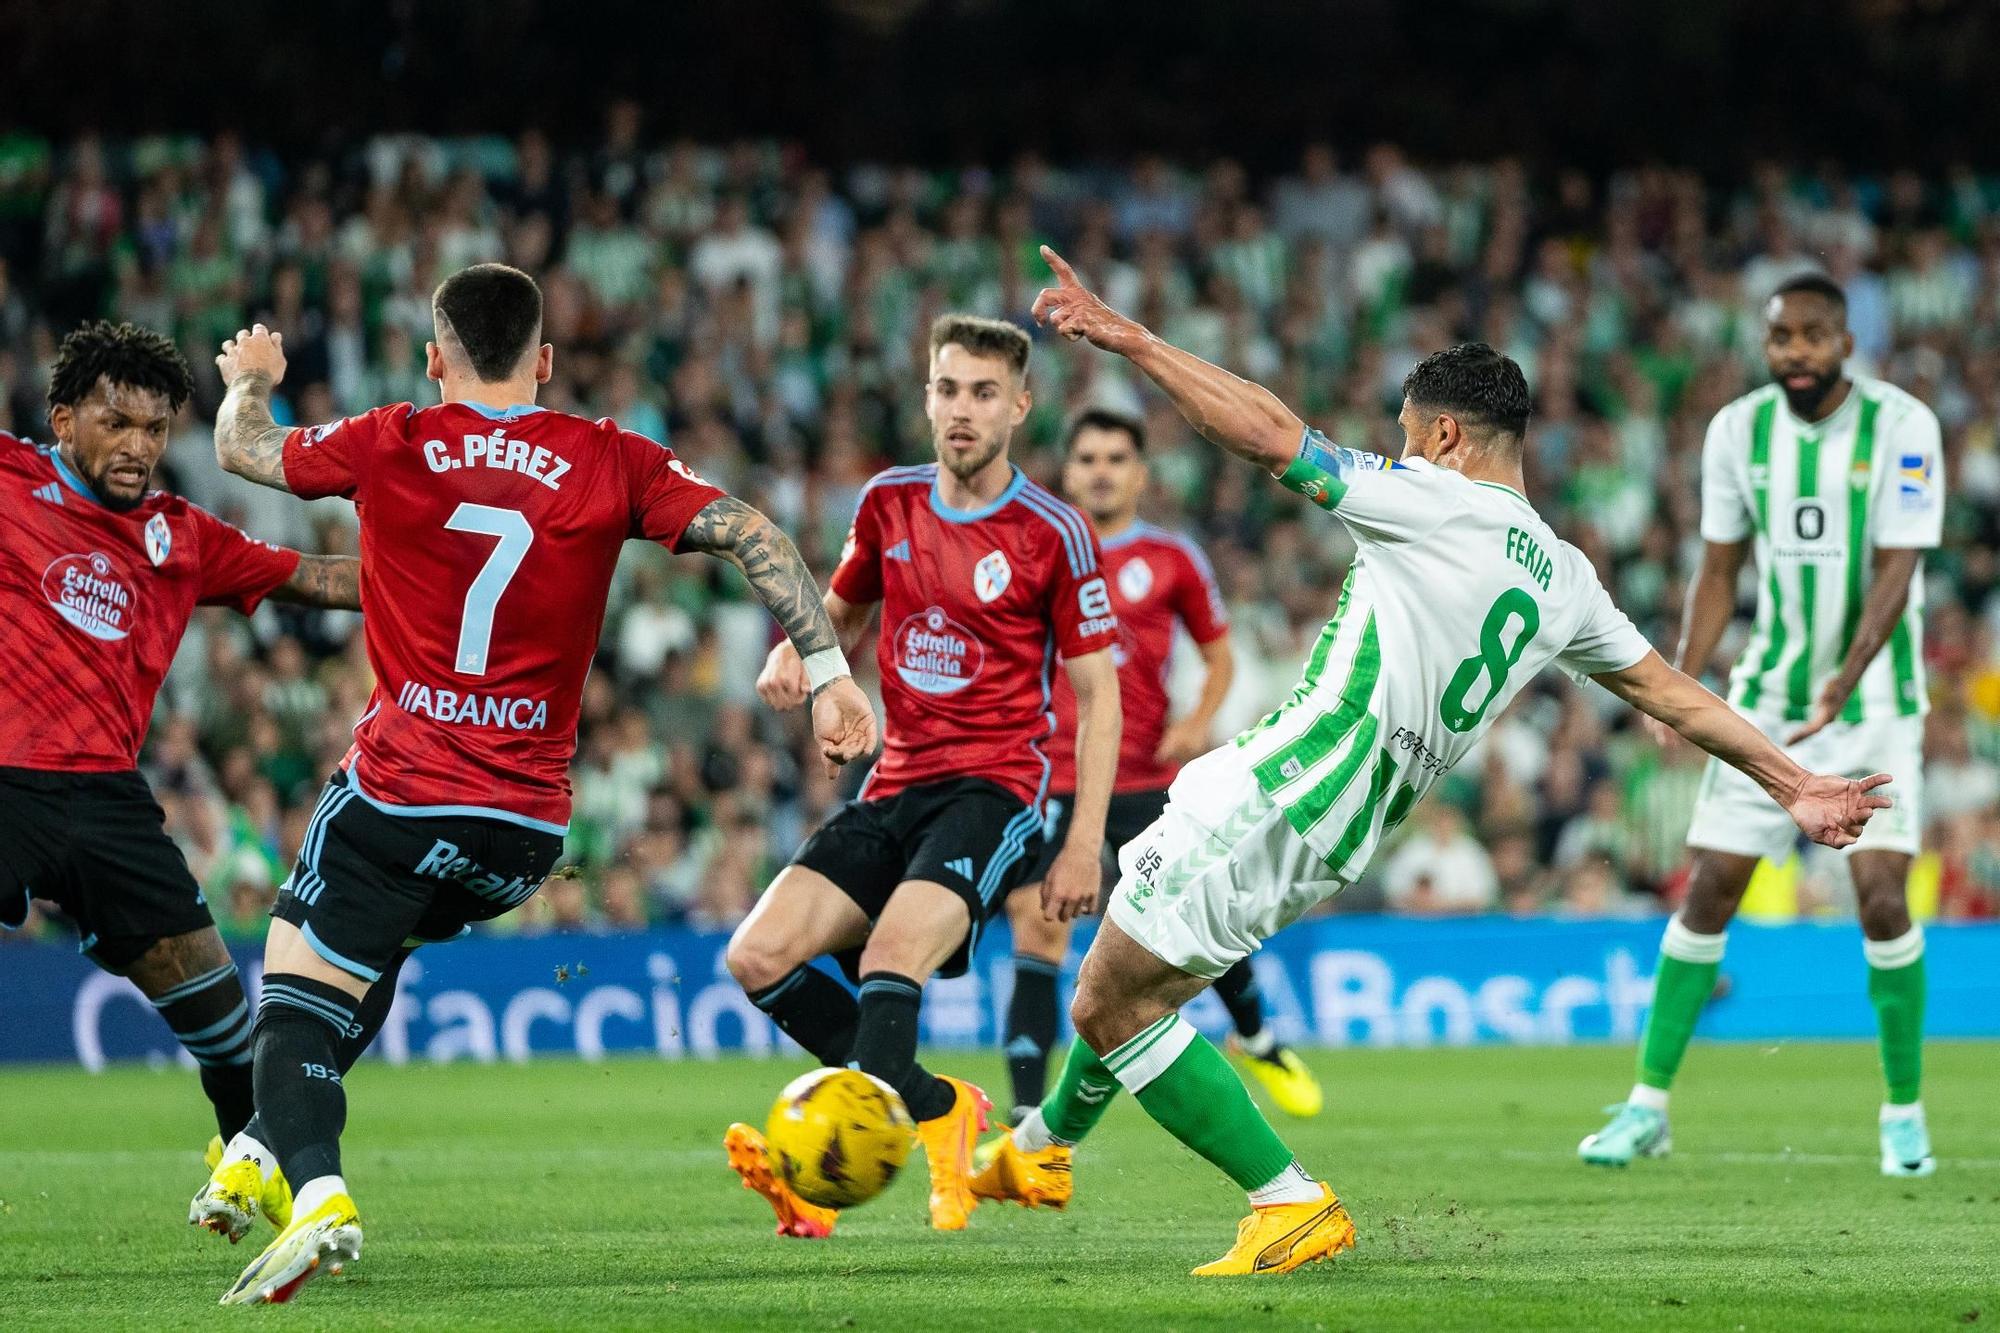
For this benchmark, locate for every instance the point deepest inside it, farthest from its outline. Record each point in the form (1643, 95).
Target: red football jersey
(95, 602)
(1157, 578)
(488, 540)
(976, 606)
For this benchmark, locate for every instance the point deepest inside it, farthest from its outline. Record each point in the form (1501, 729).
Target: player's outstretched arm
(248, 441)
(332, 581)
(1244, 418)
(731, 530)
(1829, 810)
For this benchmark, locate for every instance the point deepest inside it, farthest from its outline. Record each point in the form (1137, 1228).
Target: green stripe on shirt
(1799, 683)
(1760, 485)
(1860, 485)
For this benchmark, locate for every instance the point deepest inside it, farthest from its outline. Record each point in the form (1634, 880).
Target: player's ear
(1022, 402)
(545, 363)
(433, 362)
(62, 421)
(1846, 344)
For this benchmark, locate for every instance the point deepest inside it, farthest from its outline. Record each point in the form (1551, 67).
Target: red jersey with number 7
(976, 607)
(488, 540)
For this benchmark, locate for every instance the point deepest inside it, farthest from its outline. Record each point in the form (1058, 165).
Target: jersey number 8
(1493, 660)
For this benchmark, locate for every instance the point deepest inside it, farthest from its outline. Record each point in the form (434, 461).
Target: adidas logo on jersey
(51, 492)
(900, 551)
(962, 867)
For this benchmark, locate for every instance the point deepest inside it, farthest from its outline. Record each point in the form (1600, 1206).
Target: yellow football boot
(326, 1240)
(1031, 1179)
(948, 1142)
(236, 1192)
(750, 1158)
(1284, 1076)
(1282, 1236)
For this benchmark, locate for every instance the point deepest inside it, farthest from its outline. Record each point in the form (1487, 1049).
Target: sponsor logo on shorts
(91, 593)
(937, 655)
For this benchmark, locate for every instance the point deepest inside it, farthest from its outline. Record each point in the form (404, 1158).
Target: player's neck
(501, 396)
(1499, 471)
(1836, 398)
(1109, 529)
(982, 488)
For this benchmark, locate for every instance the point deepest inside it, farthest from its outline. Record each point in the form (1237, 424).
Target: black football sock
(1239, 992)
(885, 1044)
(369, 1017)
(301, 1106)
(813, 1010)
(1031, 1028)
(212, 1019)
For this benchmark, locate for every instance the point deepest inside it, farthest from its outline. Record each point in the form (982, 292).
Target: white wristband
(824, 667)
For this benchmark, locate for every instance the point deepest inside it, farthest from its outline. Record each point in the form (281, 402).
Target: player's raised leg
(193, 983)
(1690, 961)
(1894, 947)
(1275, 1066)
(802, 916)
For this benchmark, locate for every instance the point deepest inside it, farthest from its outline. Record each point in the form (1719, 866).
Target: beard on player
(964, 452)
(1806, 344)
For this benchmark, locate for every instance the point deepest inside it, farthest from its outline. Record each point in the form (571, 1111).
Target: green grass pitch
(569, 1195)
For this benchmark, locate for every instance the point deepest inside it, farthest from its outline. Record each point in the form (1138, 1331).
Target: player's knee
(758, 961)
(1715, 889)
(905, 952)
(1094, 1018)
(1035, 936)
(1885, 913)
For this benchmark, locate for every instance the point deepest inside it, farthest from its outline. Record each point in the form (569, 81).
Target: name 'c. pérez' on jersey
(533, 461)
(464, 708)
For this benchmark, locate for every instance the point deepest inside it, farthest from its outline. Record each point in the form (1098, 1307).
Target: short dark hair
(1103, 418)
(1814, 284)
(1472, 381)
(495, 313)
(982, 337)
(123, 354)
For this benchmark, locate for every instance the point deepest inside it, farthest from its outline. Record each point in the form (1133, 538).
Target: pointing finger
(1061, 267)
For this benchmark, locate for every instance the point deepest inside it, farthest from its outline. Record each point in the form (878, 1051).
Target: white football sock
(1260, 1045)
(1892, 1113)
(1653, 1099)
(1292, 1185)
(243, 1148)
(316, 1192)
(1032, 1134)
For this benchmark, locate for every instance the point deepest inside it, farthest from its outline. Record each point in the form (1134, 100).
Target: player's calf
(193, 984)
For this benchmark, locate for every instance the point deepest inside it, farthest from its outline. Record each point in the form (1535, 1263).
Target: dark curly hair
(123, 354)
(1475, 382)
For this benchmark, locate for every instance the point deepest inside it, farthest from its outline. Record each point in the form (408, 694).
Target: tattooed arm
(734, 531)
(247, 441)
(332, 581)
(842, 720)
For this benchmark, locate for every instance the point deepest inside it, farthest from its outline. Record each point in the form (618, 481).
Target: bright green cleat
(326, 1241)
(1635, 1131)
(1906, 1147)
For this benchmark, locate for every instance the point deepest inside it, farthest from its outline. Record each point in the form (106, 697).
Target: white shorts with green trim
(1733, 814)
(1218, 873)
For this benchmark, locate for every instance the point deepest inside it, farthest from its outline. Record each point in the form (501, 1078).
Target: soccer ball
(839, 1136)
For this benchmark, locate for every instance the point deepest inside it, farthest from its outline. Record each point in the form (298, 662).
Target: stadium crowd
(765, 315)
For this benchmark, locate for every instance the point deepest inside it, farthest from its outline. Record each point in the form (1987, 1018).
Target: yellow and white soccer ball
(839, 1136)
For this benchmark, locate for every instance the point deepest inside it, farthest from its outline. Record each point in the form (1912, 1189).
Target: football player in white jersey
(1837, 484)
(1458, 595)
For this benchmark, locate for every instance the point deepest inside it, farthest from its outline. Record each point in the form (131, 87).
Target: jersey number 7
(475, 629)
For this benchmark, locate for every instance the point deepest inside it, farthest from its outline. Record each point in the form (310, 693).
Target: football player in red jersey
(1158, 580)
(98, 578)
(983, 579)
(489, 532)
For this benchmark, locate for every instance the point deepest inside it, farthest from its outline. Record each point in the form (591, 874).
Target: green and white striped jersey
(1819, 498)
(1459, 594)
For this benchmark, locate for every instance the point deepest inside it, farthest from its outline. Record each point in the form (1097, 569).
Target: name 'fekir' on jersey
(1459, 594)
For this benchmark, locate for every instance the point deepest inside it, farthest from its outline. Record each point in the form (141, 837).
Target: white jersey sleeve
(1725, 507)
(1909, 504)
(1606, 639)
(1379, 499)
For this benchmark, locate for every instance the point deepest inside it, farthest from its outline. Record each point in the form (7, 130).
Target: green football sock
(1896, 988)
(1186, 1085)
(1689, 964)
(1083, 1090)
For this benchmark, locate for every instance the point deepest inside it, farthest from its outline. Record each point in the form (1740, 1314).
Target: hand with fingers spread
(844, 722)
(1832, 811)
(253, 351)
(1074, 311)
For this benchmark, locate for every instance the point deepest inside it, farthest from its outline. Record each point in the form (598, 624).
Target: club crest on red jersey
(991, 576)
(90, 593)
(1135, 579)
(159, 540)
